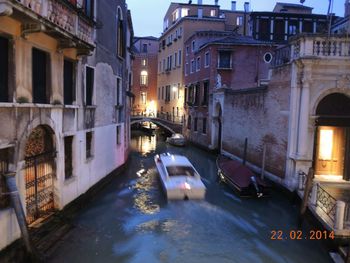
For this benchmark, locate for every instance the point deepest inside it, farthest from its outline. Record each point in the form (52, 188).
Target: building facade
(180, 22)
(284, 21)
(63, 80)
(219, 59)
(145, 71)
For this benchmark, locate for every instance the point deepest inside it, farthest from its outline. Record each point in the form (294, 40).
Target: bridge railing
(170, 117)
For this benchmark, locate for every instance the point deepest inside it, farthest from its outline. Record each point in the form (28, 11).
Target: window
(144, 77)
(162, 93)
(175, 15)
(267, 57)
(88, 144)
(186, 69)
(196, 94)
(193, 45)
(205, 93)
(143, 62)
(204, 126)
(187, 50)
(239, 20)
(158, 93)
(4, 164)
(177, 111)
(212, 12)
(4, 70)
(69, 82)
(293, 27)
(184, 12)
(68, 157)
(224, 59)
(206, 59)
(198, 63)
(120, 35)
(144, 48)
(181, 171)
(167, 93)
(175, 60)
(89, 85)
(180, 58)
(193, 66)
(118, 135)
(119, 92)
(195, 124)
(163, 64)
(88, 7)
(180, 31)
(143, 98)
(40, 76)
(189, 122)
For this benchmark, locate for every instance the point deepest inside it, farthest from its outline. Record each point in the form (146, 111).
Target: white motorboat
(179, 178)
(176, 139)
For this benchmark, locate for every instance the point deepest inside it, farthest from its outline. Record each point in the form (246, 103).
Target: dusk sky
(148, 15)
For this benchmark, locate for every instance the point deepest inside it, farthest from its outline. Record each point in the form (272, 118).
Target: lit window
(212, 12)
(326, 145)
(143, 62)
(184, 12)
(239, 20)
(144, 77)
(143, 98)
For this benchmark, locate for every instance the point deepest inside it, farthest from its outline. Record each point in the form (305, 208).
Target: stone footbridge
(173, 127)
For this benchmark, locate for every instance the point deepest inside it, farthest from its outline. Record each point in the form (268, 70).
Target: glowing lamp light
(174, 88)
(326, 145)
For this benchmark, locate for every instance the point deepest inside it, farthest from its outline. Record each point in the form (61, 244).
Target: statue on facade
(218, 81)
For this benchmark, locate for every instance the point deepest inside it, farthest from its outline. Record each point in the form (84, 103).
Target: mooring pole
(263, 162)
(17, 206)
(245, 150)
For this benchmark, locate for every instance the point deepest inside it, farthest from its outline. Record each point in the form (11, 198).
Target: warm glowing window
(143, 97)
(326, 145)
(144, 77)
(184, 12)
(212, 12)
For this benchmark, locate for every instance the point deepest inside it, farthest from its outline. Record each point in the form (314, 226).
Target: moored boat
(178, 177)
(176, 139)
(240, 178)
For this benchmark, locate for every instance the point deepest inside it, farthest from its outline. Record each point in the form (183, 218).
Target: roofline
(235, 44)
(184, 4)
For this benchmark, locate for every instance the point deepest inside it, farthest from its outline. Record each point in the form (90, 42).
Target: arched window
(144, 77)
(120, 34)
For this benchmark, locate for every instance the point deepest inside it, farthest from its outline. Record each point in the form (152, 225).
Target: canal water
(131, 220)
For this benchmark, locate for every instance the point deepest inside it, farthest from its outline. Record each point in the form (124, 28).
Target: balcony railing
(63, 16)
(320, 46)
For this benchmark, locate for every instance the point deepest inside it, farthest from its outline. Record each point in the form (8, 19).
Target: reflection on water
(133, 222)
(144, 144)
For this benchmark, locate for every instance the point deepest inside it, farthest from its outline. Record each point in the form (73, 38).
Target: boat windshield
(181, 171)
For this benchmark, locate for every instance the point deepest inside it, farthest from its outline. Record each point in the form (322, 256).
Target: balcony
(60, 19)
(320, 46)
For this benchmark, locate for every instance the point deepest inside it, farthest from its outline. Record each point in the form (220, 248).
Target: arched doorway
(217, 127)
(39, 173)
(332, 141)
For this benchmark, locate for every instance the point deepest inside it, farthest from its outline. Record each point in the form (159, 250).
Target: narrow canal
(131, 220)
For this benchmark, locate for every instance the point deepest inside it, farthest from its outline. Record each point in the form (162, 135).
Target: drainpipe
(17, 206)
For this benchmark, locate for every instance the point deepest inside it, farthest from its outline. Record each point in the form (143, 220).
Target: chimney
(246, 6)
(216, 2)
(347, 8)
(233, 5)
(200, 12)
(200, 2)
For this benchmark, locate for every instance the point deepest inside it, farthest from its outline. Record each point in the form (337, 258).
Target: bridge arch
(155, 121)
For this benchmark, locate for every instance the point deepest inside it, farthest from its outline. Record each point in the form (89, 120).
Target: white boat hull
(182, 187)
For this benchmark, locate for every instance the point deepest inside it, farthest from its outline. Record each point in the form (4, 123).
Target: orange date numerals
(299, 235)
